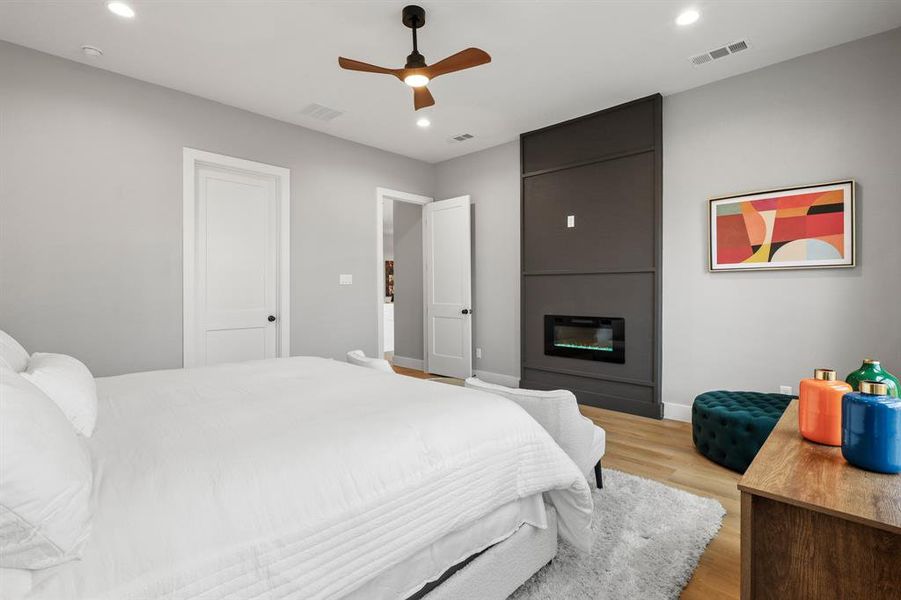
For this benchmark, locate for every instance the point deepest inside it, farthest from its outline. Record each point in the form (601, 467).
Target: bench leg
(599, 476)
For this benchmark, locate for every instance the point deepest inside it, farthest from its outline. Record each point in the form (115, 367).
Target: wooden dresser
(813, 526)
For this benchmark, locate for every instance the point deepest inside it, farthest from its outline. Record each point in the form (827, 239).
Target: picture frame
(798, 227)
(389, 280)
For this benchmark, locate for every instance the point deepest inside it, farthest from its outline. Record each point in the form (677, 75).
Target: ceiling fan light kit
(416, 73)
(416, 80)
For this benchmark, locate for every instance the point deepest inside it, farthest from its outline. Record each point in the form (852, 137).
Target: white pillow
(13, 353)
(70, 384)
(45, 490)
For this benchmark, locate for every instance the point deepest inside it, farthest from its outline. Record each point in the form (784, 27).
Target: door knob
(465, 311)
(271, 318)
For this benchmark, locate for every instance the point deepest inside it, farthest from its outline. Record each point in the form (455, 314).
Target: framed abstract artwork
(790, 228)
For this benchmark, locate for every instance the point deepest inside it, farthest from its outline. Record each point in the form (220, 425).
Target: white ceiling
(552, 60)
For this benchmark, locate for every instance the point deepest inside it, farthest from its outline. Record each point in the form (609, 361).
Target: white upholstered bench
(558, 412)
(357, 357)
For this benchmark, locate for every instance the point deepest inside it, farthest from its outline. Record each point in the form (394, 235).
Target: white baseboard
(408, 363)
(676, 412)
(498, 378)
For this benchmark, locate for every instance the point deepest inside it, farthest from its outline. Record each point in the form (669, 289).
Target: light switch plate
(478, 353)
(570, 220)
(345, 279)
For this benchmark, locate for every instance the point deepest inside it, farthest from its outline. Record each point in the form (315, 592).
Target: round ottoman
(730, 427)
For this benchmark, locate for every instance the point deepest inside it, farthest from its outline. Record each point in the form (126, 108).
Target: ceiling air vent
(322, 113)
(717, 53)
(460, 138)
(738, 46)
(700, 59)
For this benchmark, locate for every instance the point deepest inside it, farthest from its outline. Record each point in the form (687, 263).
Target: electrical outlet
(570, 221)
(345, 279)
(785, 389)
(478, 353)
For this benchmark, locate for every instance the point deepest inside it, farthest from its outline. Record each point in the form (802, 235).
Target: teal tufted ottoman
(730, 427)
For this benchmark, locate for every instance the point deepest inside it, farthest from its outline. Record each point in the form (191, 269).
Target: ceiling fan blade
(465, 59)
(356, 65)
(422, 97)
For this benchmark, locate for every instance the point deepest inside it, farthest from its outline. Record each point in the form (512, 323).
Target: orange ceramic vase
(820, 407)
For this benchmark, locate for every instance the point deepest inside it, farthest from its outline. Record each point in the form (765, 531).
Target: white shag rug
(648, 540)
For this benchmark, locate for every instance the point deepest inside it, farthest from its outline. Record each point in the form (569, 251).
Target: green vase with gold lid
(871, 370)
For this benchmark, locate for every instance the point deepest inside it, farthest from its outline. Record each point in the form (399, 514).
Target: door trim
(382, 194)
(191, 159)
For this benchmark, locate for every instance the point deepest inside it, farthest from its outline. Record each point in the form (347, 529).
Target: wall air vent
(322, 113)
(456, 139)
(717, 53)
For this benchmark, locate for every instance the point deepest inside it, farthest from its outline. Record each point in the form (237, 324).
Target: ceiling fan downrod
(414, 18)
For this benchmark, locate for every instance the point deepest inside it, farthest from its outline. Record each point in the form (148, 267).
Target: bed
(310, 478)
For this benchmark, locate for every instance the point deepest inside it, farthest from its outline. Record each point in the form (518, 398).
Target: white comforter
(298, 478)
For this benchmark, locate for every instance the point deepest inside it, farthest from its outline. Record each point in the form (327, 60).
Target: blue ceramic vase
(871, 428)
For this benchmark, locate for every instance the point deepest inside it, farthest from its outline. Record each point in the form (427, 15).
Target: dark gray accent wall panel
(621, 129)
(613, 206)
(605, 170)
(615, 395)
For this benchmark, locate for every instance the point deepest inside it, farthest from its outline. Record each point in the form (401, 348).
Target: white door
(448, 287)
(236, 250)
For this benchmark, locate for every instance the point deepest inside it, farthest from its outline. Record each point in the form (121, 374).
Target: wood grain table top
(793, 470)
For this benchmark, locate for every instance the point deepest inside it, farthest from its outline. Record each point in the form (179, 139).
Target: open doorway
(400, 277)
(425, 286)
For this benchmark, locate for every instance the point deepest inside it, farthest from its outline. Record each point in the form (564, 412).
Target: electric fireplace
(588, 338)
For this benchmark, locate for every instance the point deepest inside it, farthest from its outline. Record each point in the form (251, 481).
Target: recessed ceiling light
(423, 122)
(120, 8)
(91, 51)
(687, 17)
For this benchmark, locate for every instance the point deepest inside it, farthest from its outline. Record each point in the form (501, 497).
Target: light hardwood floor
(410, 372)
(662, 450)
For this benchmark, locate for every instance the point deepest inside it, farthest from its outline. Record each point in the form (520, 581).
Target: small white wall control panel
(345, 279)
(570, 220)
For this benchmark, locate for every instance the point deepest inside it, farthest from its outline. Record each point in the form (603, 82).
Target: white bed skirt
(500, 570)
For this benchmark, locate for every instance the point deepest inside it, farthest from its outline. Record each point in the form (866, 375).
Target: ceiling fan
(416, 73)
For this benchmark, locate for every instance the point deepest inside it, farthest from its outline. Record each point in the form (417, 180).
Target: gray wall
(831, 115)
(407, 280)
(91, 214)
(491, 177)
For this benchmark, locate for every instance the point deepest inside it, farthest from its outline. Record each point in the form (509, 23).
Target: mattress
(303, 478)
